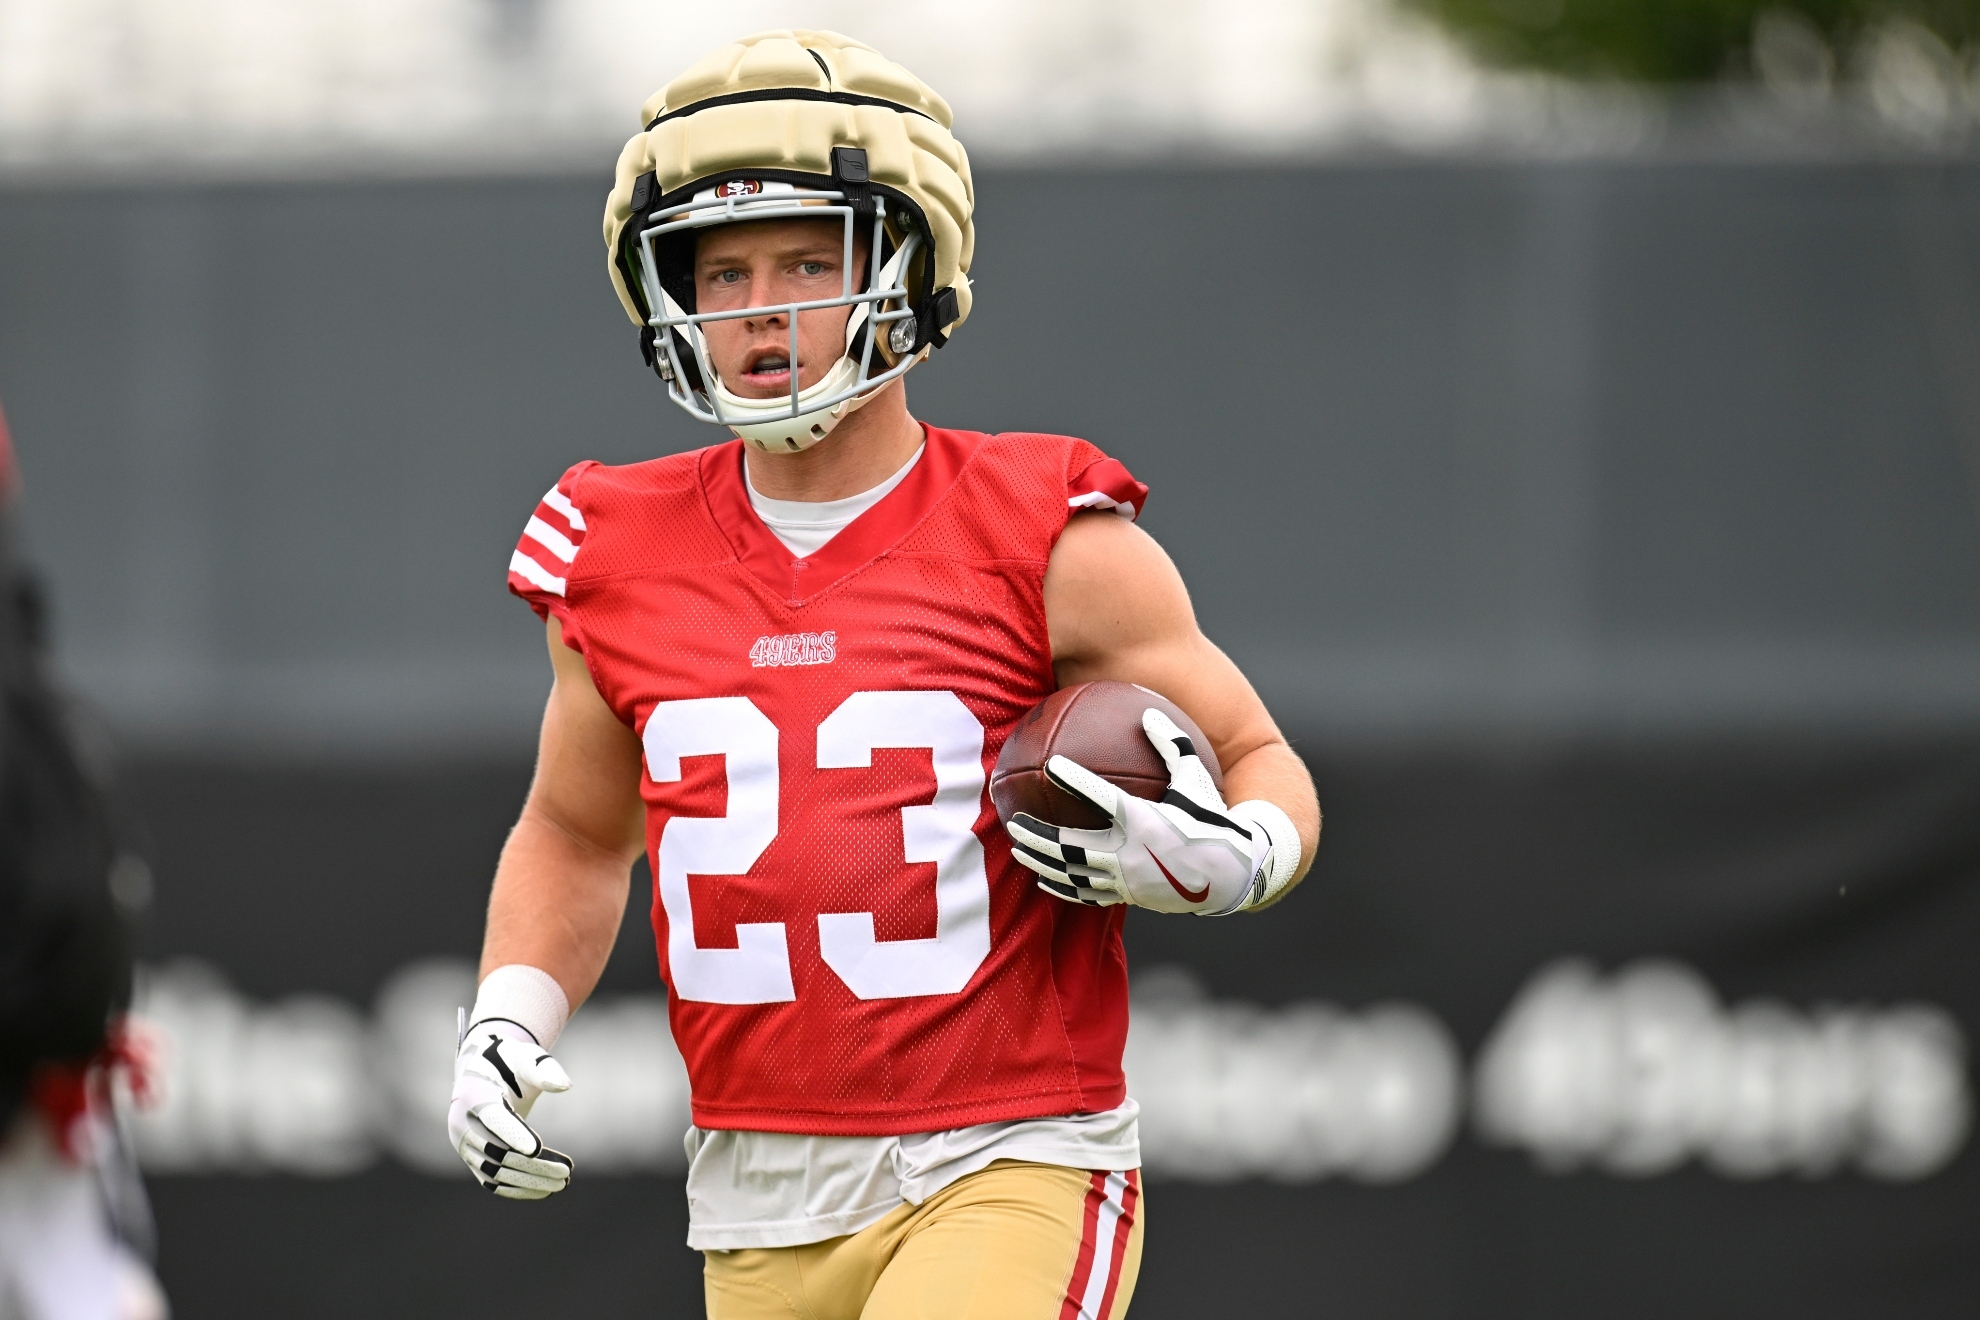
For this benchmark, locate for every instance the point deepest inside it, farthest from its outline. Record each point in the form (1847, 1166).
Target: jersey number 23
(758, 969)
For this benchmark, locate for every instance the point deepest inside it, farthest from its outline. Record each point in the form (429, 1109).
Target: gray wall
(1445, 450)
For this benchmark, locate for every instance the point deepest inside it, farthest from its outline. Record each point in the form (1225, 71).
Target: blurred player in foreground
(74, 1224)
(784, 665)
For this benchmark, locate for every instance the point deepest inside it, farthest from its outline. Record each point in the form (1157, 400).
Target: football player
(784, 666)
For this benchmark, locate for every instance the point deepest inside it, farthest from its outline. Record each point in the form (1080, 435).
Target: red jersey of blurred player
(10, 476)
(849, 946)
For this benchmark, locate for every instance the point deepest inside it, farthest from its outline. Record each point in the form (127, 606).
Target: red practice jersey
(848, 945)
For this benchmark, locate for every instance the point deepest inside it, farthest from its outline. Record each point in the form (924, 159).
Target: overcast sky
(298, 84)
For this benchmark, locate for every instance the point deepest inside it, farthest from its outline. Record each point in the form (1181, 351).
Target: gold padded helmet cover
(907, 141)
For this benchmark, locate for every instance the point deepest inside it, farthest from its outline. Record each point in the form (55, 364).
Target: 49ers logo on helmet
(739, 188)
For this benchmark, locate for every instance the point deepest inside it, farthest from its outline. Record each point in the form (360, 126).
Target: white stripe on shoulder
(557, 500)
(535, 574)
(1100, 499)
(550, 539)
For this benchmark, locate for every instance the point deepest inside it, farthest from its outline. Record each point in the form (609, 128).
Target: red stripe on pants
(1089, 1235)
(1122, 1227)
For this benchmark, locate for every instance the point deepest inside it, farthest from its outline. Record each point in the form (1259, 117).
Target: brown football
(1098, 725)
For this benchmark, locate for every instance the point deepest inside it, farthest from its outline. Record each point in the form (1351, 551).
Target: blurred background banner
(1620, 1027)
(1601, 381)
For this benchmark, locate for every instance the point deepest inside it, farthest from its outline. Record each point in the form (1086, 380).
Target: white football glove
(498, 1073)
(1187, 853)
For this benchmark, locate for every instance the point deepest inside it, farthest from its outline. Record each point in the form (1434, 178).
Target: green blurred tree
(1671, 41)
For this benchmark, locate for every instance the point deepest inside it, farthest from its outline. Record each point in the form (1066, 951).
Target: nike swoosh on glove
(498, 1073)
(1186, 853)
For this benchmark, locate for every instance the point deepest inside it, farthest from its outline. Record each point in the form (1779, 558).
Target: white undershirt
(804, 526)
(779, 1189)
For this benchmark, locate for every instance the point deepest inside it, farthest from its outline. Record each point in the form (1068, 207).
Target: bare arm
(560, 888)
(1116, 608)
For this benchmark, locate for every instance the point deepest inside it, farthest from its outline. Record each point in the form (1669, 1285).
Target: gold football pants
(1017, 1241)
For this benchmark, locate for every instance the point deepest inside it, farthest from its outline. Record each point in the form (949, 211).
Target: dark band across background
(1446, 879)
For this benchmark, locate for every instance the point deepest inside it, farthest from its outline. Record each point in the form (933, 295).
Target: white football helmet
(795, 124)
